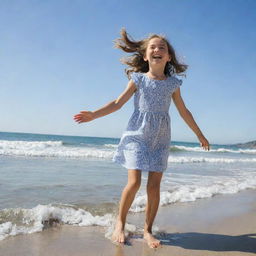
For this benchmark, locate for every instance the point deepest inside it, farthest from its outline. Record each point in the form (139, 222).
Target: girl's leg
(153, 191)
(129, 192)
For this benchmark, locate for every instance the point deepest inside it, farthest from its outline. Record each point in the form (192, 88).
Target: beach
(221, 225)
(60, 194)
(100, 96)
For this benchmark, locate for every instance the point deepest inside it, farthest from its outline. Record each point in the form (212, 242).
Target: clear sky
(57, 58)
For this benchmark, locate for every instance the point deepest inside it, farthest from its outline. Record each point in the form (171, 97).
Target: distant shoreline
(250, 144)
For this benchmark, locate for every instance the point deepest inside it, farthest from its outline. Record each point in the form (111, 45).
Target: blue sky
(57, 58)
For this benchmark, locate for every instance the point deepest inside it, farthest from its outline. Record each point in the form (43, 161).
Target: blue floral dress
(145, 143)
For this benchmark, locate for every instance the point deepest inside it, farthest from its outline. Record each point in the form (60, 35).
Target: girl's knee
(153, 187)
(154, 181)
(134, 179)
(134, 184)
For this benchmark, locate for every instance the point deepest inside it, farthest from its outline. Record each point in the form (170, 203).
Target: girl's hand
(204, 142)
(84, 116)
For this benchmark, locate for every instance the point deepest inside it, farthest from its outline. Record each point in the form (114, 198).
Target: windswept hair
(136, 62)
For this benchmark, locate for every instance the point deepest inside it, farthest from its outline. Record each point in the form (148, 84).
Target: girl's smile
(157, 52)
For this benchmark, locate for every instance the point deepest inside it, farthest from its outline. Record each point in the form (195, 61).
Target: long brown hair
(136, 62)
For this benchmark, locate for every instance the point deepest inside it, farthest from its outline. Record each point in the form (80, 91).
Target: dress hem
(139, 168)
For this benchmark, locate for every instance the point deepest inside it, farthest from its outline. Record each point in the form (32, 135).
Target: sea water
(72, 179)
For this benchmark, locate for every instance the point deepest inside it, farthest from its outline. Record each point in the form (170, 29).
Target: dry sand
(222, 225)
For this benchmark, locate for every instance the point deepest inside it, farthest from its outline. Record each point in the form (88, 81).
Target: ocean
(72, 179)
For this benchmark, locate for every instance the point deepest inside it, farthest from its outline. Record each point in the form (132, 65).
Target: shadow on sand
(210, 242)
(200, 241)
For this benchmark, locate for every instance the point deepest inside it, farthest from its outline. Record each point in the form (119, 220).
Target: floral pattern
(145, 143)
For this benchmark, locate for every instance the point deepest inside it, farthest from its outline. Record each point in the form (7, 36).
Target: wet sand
(222, 225)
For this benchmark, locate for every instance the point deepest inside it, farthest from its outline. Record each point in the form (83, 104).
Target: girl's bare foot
(151, 241)
(118, 234)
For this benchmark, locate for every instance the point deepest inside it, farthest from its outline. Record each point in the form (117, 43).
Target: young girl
(144, 146)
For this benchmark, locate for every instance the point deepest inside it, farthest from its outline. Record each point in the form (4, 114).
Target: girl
(144, 146)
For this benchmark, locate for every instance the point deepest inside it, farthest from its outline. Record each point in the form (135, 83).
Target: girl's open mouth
(157, 57)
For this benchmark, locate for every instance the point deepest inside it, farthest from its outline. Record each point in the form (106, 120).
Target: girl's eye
(160, 47)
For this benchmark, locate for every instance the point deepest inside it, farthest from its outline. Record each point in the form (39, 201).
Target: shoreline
(221, 225)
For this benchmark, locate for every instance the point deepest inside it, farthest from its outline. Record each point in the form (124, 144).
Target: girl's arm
(86, 116)
(188, 118)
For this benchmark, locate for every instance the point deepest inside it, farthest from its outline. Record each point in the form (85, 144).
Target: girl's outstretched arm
(86, 116)
(188, 118)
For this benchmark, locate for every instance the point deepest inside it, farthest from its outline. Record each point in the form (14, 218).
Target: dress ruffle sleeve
(136, 78)
(177, 83)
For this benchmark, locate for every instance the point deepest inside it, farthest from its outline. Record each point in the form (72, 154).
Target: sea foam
(189, 193)
(25, 221)
(36, 219)
(58, 149)
(218, 150)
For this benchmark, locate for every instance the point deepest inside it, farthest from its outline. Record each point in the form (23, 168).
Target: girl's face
(157, 52)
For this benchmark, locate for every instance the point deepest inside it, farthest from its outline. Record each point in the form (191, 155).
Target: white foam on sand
(26, 221)
(199, 190)
(39, 217)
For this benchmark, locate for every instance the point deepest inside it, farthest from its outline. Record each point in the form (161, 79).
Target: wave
(7, 144)
(111, 145)
(28, 221)
(190, 193)
(218, 150)
(187, 159)
(57, 149)
(25, 221)
(50, 149)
